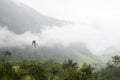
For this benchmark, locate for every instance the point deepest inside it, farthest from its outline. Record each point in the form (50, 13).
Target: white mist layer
(98, 23)
(96, 39)
(11, 39)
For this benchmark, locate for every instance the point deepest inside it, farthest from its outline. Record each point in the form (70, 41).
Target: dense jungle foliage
(51, 70)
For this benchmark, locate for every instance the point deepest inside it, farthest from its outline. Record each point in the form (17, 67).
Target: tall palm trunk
(34, 45)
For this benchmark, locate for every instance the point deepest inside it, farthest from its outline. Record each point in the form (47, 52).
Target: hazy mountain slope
(20, 18)
(57, 52)
(109, 52)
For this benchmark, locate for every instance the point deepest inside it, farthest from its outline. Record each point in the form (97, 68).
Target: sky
(97, 22)
(76, 9)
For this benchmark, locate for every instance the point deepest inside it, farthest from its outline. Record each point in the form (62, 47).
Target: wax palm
(34, 44)
(69, 64)
(6, 54)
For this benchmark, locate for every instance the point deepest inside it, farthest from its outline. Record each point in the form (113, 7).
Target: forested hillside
(78, 52)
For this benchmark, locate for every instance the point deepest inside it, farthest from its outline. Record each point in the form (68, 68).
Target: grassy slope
(57, 53)
(82, 58)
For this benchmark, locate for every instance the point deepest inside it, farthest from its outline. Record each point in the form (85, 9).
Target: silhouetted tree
(69, 64)
(116, 60)
(34, 44)
(6, 54)
(87, 71)
(113, 67)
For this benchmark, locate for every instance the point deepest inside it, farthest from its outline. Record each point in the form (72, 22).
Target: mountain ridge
(15, 16)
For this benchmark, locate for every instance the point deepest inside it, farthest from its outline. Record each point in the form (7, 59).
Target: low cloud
(98, 25)
(11, 39)
(97, 35)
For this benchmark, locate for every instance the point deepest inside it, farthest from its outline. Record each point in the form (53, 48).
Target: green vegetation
(111, 71)
(51, 70)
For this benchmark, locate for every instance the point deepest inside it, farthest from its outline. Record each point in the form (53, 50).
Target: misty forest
(78, 40)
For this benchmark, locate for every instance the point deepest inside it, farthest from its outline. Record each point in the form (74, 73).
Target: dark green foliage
(116, 61)
(72, 74)
(51, 70)
(111, 71)
(38, 72)
(7, 72)
(86, 71)
(69, 64)
(33, 68)
(113, 68)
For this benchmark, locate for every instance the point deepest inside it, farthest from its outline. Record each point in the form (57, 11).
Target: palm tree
(69, 64)
(34, 44)
(116, 60)
(6, 54)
